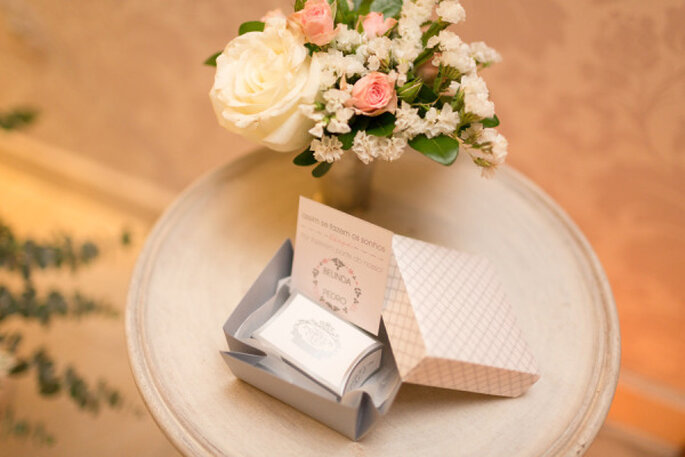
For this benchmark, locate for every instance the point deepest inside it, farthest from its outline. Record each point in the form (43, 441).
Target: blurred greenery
(21, 259)
(24, 429)
(17, 118)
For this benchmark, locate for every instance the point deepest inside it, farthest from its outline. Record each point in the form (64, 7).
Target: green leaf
(343, 14)
(126, 237)
(442, 149)
(321, 169)
(410, 90)
(389, 8)
(211, 60)
(382, 125)
(305, 158)
(251, 26)
(17, 118)
(312, 48)
(362, 6)
(422, 58)
(463, 127)
(299, 4)
(358, 123)
(426, 95)
(20, 367)
(434, 29)
(347, 139)
(334, 8)
(490, 122)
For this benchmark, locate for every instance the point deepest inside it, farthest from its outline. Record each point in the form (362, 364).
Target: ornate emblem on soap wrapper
(316, 337)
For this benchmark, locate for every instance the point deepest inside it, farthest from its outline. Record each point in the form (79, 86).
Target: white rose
(261, 80)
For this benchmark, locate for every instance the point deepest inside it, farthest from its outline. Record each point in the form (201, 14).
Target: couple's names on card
(342, 262)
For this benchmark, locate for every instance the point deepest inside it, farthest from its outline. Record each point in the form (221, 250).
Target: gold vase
(347, 185)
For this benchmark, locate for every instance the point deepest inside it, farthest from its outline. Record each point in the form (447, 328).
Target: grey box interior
(355, 413)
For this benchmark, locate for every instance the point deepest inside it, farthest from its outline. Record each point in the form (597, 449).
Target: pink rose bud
(374, 24)
(316, 20)
(374, 94)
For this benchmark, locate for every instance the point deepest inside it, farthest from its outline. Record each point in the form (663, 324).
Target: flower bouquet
(367, 77)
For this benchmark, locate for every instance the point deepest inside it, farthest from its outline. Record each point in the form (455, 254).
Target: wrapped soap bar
(331, 351)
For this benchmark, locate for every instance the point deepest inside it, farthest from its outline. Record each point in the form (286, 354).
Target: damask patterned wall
(590, 92)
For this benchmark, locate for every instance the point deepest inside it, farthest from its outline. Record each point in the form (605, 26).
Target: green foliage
(312, 48)
(389, 8)
(321, 169)
(382, 125)
(250, 26)
(126, 237)
(356, 124)
(410, 90)
(426, 95)
(299, 4)
(211, 60)
(344, 15)
(433, 30)
(17, 118)
(490, 122)
(23, 257)
(304, 159)
(52, 381)
(347, 139)
(442, 149)
(26, 255)
(362, 6)
(42, 309)
(422, 58)
(22, 429)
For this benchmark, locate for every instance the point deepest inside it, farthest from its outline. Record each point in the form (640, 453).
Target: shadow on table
(433, 399)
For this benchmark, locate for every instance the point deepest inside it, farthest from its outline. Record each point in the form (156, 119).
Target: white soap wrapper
(330, 350)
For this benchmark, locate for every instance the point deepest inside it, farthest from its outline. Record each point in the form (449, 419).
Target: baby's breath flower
(336, 125)
(335, 99)
(489, 152)
(484, 54)
(391, 148)
(380, 46)
(408, 123)
(374, 63)
(443, 122)
(454, 52)
(451, 11)
(472, 133)
(327, 149)
(476, 95)
(365, 147)
(347, 39)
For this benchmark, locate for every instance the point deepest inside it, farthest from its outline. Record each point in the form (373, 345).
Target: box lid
(449, 322)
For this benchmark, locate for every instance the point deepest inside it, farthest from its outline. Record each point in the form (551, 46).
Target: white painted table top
(212, 243)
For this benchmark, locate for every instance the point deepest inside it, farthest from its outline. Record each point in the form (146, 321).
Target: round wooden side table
(214, 240)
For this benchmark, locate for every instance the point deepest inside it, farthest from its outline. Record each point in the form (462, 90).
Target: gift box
(352, 415)
(443, 318)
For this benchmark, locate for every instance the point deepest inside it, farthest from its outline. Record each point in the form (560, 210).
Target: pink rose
(374, 24)
(374, 94)
(316, 20)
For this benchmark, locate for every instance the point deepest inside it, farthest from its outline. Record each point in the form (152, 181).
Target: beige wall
(590, 94)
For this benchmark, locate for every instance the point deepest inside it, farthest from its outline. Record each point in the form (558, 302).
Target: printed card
(342, 263)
